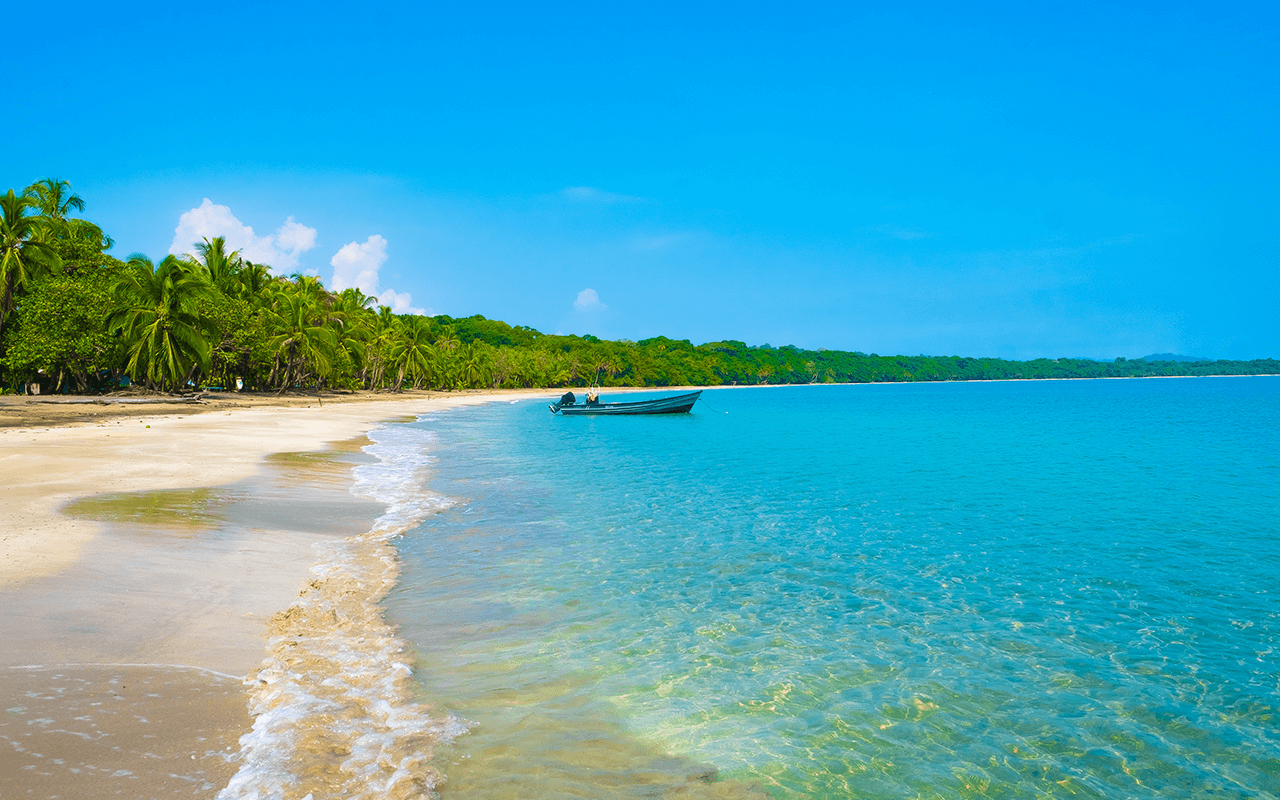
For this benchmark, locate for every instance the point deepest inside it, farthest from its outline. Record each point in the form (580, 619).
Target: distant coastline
(77, 320)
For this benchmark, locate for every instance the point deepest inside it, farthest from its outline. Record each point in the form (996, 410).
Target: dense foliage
(75, 318)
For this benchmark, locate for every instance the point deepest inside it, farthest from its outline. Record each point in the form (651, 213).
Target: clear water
(1029, 589)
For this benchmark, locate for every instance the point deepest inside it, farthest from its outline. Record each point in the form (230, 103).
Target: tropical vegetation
(73, 318)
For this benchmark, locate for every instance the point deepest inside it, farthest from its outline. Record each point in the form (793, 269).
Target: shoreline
(164, 620)
(45, 467)
(49, 467)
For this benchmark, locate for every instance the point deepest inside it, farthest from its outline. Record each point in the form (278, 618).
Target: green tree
(412, 354)
(303, 343)
(77, 243)
(54, 198)
(157, 312)
(475, 365)
(221, 267)
(240, 348)
(23, 255)
(60, 330)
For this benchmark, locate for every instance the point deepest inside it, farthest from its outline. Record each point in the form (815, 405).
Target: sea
(1028, 589)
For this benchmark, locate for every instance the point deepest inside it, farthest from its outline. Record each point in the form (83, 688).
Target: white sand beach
(170, 608)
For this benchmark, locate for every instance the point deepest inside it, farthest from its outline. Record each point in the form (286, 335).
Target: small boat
(676, 404)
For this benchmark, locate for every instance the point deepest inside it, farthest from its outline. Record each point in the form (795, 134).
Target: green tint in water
(1007, 590)
(181, 508)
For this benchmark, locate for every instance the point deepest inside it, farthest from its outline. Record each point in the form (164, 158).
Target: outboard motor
(567, 399)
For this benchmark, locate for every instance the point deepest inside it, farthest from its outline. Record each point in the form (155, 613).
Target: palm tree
(311, 287)
(411, 353)
(476, 366)
(156, 312)
(607, 367)
(71, 238)
(384, 329)
(253, 279)
(221, 266)
(447, 343)
(304, 344)
(352, 311)
(23, 255)
(54, 198)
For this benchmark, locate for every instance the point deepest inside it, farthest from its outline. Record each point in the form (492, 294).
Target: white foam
(337, 679)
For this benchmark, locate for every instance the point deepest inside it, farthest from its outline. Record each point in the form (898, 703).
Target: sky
(1020, 180)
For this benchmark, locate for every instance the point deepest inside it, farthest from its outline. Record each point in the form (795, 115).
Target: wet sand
(130, 622)
(61, 454)
(89, 731)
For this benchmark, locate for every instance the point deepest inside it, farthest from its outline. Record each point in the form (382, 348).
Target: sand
(128, 626)
(143, 447)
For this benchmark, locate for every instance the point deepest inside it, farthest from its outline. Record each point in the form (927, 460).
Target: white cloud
(281, 250)
(588, 300)
(401, 303)
(295, 236)
(357, 265)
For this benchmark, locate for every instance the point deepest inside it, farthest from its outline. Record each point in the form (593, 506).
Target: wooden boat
(676, 404)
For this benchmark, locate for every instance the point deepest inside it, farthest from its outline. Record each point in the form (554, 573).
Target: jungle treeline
(74, 318)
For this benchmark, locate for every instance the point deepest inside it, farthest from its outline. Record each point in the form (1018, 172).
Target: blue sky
(1019, 180)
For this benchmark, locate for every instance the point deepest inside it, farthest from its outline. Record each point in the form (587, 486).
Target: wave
(335, 705)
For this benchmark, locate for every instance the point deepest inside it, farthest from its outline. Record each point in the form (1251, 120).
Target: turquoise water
(1025, 589)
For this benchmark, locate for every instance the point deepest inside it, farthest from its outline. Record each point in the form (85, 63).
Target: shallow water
(1041, 589)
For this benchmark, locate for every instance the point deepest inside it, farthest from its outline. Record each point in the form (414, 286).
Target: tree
(54, 198)
(165, 337)
(22, 255)
(253, 280)
(303, 343)
(60, 330)
(411, 353)
(222, 267)
(240, 347)
(78, 243)
(356, 321)
(475, 365)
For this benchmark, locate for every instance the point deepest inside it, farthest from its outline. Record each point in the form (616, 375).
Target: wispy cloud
(588, 300)
(661, 242)
(901, 234)
(590, 194)
(281, 250)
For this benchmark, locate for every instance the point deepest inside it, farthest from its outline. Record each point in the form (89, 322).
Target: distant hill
(1172, 357)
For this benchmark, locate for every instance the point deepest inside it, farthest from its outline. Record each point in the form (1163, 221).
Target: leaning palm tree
(156, 312)
(23, 255)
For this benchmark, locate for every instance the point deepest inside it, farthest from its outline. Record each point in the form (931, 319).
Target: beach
(892, 590)
(132, 621)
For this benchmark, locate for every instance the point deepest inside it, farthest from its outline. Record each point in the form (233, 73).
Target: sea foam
(335, 707)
